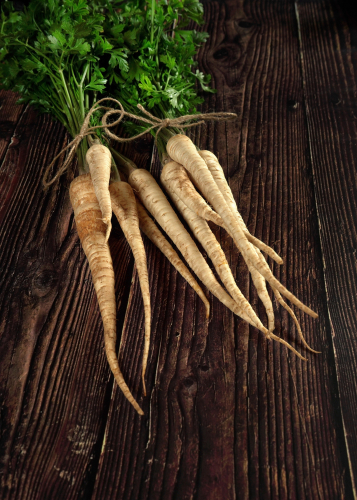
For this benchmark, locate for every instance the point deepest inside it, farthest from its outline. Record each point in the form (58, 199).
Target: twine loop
(153, 122)
(73, 145)
(181, 122)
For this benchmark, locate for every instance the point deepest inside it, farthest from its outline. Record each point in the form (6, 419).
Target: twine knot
(181, 122)
(73, 145)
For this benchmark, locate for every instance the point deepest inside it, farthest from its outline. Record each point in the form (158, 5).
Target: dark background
(228, 415)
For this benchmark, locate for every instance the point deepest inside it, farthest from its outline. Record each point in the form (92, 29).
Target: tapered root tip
(207, 312)
(144, 385)
(278, 339)
(109, 229)
(315, 352)
(137, 407)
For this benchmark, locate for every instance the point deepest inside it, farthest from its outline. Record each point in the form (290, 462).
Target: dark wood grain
(330, 87)
(228, 415)
(55, 383)
(9, 116)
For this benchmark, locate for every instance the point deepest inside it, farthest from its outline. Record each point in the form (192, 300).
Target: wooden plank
(9, 116)
(327, 32)
(229, 415)
(55, 383)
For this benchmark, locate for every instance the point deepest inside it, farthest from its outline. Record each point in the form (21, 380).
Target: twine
(85, 130)
(181, 123)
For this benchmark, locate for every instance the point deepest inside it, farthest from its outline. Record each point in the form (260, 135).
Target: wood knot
(245, 24)
(292, 104)
(188, 382)
(43, 282)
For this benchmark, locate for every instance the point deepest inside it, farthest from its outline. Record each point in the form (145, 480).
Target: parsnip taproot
(99, 161)
(260, 285)
(218, 175)
(181, 149)
(148, 227)
(204, 235)
(258, 280)
(157, 204)
(184, 188)
(124, 207)
(297, 324)
(92, 234)
(175, 176)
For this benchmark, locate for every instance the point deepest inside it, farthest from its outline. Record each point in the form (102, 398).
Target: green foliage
(52, 55)
(161, 72)
(63, 55)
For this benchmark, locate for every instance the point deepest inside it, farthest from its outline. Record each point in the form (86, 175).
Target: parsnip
(182, 150)
(92, 234)
(156, 203)
(124, 207)
(99, 161)
(148, 226)
(218, 175)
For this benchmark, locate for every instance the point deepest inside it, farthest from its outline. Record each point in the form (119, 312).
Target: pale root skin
(291, 312)
(157, 204)
(260, 285)
(182, 150)
(99, 161)
(148, 227)
(92, 234)
(175, 179)
(297, 324)
(124, 207)
(204, 235)
(259, 282)
(176, 176)
(218, 175)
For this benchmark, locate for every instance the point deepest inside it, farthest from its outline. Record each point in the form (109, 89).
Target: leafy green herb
(62, 56)
(162, 74)
(52, 52)
(161, 59)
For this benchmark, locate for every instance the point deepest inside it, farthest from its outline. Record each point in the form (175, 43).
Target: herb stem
(127, 166)
(64, 84)
(81, 94)
(153, 5)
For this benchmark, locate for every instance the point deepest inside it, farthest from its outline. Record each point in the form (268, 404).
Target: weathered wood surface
(330, 83)
(228, 415)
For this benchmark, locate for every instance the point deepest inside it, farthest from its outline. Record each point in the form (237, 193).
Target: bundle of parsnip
(166, 90)
(63, 57)
(184, 169)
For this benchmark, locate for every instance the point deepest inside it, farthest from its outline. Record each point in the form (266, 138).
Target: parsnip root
(148, 226)
(182, 150)
(92, 234)
(99, 161)
(124, 207)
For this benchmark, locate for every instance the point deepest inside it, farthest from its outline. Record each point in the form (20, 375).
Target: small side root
(292, 314)
(278, 339)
